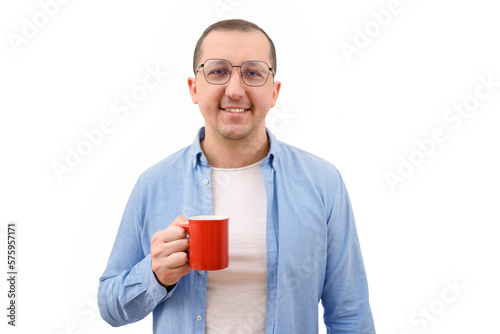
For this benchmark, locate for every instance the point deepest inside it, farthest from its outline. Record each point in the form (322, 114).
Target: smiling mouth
(235, 109)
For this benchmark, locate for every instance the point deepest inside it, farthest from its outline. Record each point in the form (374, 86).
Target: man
(293, 240)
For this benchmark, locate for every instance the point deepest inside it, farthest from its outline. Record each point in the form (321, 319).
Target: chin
(235, 133)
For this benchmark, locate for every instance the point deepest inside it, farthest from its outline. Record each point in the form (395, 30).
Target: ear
(193, 89)
(276, 92)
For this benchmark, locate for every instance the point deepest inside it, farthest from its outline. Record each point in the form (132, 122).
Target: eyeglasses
(254, 73)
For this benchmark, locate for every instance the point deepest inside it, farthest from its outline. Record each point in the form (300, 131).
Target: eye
(219, 71)
(252, 73)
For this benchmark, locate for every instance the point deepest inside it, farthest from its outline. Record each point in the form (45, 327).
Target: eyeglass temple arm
(199, 66)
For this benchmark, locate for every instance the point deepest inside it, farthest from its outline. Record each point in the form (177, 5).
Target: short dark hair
(233, 25)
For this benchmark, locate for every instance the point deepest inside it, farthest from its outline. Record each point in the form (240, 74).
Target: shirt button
(205, 181)
(199, 318)
(201, 158)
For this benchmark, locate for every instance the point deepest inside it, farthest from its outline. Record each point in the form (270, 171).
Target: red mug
(208, 242)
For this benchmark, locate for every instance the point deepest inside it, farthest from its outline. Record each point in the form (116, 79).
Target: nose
(235, 88)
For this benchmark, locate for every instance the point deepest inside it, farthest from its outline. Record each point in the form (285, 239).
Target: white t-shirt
(237, 295)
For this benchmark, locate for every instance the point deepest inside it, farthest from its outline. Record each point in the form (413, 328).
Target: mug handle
(185, 226)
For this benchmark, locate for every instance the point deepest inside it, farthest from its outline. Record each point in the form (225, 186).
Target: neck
(227, 153)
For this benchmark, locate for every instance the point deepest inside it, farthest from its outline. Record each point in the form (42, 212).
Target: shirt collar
(198, 157)
(195, 150)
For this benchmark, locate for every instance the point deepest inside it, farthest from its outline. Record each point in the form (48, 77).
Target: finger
(169, 234)
(167, 264)
(160, 250)
(183, 270)
(176, 246)
(173, 231)
(180, 220)
(176, 261)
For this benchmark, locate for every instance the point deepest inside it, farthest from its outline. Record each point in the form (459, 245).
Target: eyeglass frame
(231, 73)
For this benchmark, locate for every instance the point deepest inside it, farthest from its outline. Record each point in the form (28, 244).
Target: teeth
(235, 110)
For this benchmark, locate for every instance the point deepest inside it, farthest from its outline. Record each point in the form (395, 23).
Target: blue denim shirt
(313, 252)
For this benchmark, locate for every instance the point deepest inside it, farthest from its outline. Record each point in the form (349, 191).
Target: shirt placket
(271, 245)
(205, 201)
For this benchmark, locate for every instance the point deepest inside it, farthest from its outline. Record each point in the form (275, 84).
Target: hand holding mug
(208, 246)
(169, 259)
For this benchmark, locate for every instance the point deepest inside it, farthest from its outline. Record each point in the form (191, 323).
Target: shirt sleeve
(128, 290)
(345, 293)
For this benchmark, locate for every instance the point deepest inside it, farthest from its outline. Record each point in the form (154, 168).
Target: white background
(436, 227)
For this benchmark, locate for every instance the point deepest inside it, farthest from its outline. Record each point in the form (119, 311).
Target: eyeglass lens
(218, 72)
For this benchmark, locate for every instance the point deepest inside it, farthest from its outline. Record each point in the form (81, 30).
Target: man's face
(221, 105)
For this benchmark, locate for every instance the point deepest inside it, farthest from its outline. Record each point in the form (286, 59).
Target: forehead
(236, 46)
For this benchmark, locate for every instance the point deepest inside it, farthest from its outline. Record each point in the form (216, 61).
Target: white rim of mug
(208, 217)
